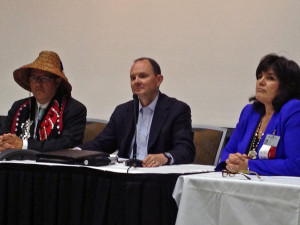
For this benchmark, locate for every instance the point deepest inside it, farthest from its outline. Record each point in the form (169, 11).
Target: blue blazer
(286, 122)
(170, 131)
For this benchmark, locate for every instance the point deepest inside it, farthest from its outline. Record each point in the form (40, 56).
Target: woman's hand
(236, 162)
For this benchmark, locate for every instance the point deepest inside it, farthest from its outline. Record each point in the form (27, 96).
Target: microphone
(134, 162)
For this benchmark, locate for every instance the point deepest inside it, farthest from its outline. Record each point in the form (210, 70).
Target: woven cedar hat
(47, 61)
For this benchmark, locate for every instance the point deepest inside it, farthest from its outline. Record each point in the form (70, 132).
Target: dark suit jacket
(170, 131)
(74, 121)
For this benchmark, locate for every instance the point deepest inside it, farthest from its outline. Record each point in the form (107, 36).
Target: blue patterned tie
(41, 112)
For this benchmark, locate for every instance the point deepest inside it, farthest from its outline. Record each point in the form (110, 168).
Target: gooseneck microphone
(134, 162)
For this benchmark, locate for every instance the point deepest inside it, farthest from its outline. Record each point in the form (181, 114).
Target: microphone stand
(134, 161)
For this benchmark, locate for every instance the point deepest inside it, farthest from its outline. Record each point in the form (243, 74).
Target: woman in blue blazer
(267, 137)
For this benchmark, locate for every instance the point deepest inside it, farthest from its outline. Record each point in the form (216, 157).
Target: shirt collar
(43, 106)
(152, 105)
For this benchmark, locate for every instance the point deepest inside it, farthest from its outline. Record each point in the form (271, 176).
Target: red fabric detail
(272, 152)
(49, 121)
(13, 127)
(51, 118)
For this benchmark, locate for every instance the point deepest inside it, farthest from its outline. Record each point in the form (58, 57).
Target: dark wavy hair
(288, 74)
(154, 64)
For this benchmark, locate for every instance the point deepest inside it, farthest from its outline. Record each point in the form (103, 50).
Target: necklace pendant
(252, 154)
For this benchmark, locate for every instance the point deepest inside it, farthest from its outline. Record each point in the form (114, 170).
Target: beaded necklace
(255, 142)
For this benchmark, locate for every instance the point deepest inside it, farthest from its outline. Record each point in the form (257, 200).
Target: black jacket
(74, 121)
(170, 131)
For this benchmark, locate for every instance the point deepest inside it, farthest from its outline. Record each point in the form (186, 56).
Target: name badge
(268, 149)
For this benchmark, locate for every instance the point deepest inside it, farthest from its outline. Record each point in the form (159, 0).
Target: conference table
(51, 193)
(210, 198)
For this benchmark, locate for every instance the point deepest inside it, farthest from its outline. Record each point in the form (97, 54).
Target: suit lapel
(160, 115)
(129, 132)
(271, 127)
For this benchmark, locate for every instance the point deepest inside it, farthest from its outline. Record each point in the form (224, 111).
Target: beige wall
(208, 49)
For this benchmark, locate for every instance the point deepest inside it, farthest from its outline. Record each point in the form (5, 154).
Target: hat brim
(21, 76)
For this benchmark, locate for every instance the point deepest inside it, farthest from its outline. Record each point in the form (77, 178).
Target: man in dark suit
(163, 129)
(51, 119)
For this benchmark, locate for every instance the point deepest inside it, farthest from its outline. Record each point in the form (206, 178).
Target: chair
(209, 142)
(93, 128)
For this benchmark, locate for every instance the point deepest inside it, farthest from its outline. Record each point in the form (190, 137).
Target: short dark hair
(154, 64)
(288, 74)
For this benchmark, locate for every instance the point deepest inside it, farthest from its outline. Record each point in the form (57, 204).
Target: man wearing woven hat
(49, 120)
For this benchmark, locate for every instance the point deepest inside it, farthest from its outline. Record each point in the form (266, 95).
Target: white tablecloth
(212, 199)
(121, 168)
